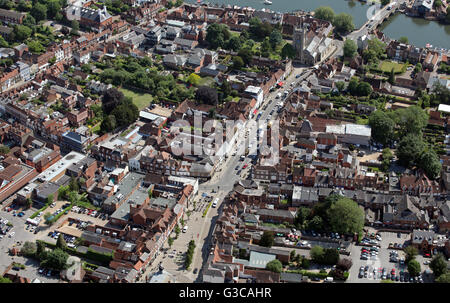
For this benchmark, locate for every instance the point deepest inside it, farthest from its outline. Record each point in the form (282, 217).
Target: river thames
(419, 31)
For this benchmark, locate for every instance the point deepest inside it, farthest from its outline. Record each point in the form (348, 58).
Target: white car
(185, 229)
(12, 234)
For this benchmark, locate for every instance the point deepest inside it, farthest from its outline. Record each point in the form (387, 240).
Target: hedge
(206, 210)
(55, 218)
(309, 274)
(37, 213)
(90, 254)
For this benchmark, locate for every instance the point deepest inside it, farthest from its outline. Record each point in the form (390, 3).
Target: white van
(328, 280)
(215, 202)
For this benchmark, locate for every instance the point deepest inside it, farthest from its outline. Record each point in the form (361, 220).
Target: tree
(73, 185)
(438, 265)
(170, 242)
(111, 99)
(274, 266)
(28, 249)
(292, 255)
(5, 280)
(29, 202)
(47, 217)
(55, 259)
(317, 254)
(352, 87)
(24, 6)
(177, 230)
(441, 94)
(418, 68)
(343, 23)
(345, 216)
(387, 157)
(350, 48)
(246, 55)
(391, 79)
(108, 124)
(382, 127)
(207, 95)
(412, 119)
(194, 79)
(22, 32)
(39, 11)
(234, 43)
(324, 13)
(375, 49)
(340, 86)
(4, 149)
(50, 199)
(414, 268)
(430, 163)
(75, 27)
(403, 39)
(53, 8)
(238, 63)
(445, 278)
(267, 239)
(275, 38)
(330, 256)
(410, 253)
(363, 89)
(288, 51)
(409, 149)
(36, 47)
(316, 223)
(217, 34)
(40, 249)
(302, 215)
(29, 21)
(61, 243)
(344, 264)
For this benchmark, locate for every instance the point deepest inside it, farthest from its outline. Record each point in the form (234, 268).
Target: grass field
(386, 66)
(141, 100)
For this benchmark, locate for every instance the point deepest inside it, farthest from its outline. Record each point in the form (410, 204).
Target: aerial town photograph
(225, 141)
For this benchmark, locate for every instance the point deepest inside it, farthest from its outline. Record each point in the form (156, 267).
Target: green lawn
(141, 100)
(386, 66)
(207, 81)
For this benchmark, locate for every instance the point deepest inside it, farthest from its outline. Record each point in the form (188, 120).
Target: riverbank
(419, 31)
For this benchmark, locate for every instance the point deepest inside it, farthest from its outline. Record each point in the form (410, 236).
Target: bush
(274, 266)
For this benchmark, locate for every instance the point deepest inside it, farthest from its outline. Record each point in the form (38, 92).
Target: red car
(245, 166)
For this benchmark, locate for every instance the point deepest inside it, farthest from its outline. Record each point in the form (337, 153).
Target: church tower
(299, 38)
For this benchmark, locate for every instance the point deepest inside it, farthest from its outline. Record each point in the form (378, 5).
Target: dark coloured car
(195, 271)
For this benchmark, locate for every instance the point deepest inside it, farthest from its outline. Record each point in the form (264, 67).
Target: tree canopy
(217, 35)
(383, 127)
(288, 51)
(274, 266)
(267, 239)
(410, 149)
(343, 23)
(438, 265)
(345, 216)
(324, 13)
(414, 268)
(350, 48)
(207, 95)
